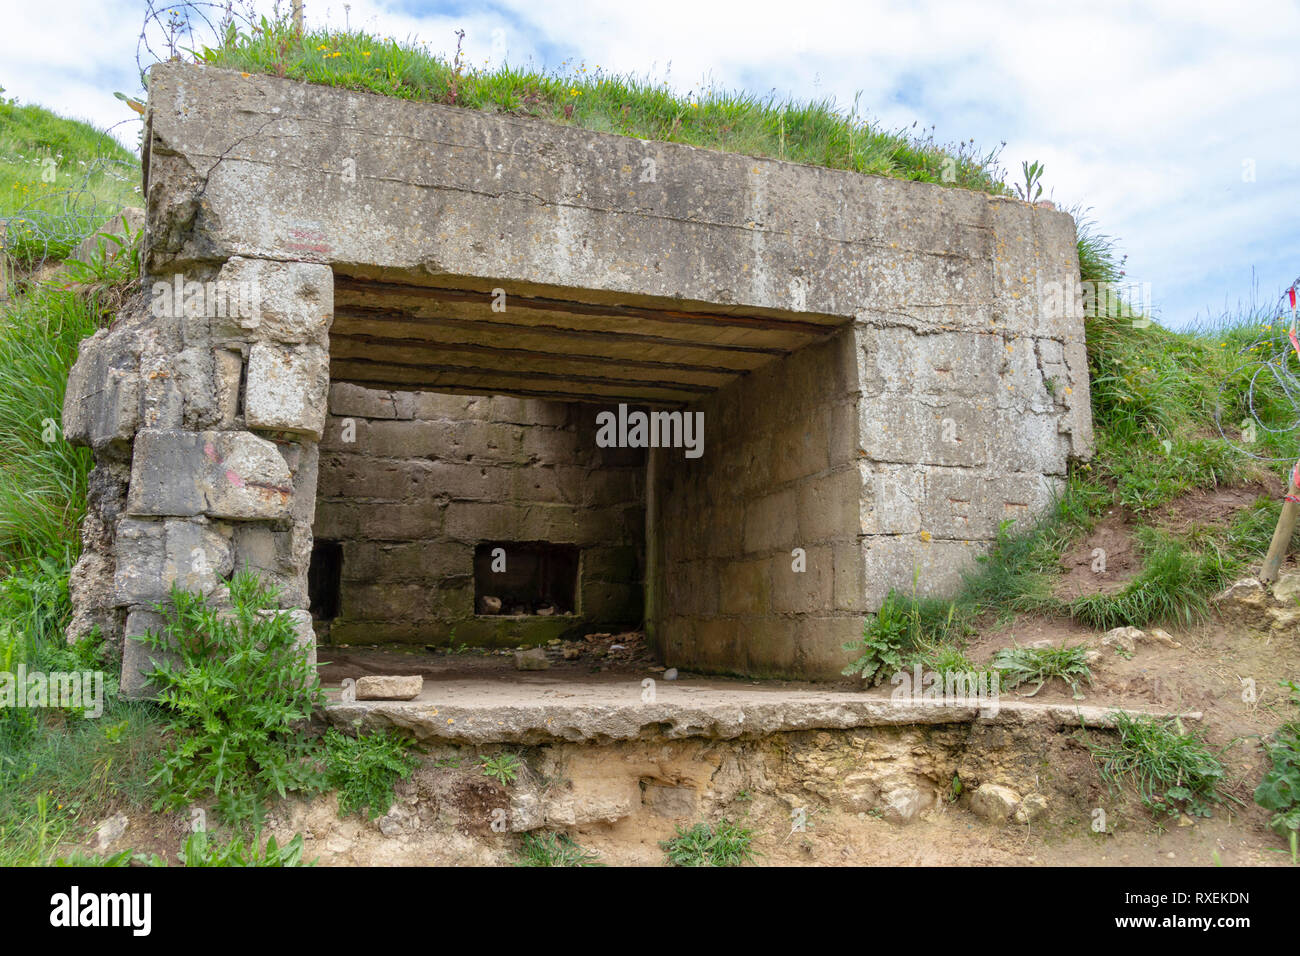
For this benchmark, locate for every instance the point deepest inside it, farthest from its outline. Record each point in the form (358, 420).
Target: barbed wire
(173, 30)
(1274, 367)
(62, 202)
(52, 209)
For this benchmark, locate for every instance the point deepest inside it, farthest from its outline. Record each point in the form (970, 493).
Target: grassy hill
(59, 179)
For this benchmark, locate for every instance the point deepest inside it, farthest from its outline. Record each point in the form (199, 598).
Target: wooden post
(1281, 535)
(297, 16)
(1291, 509)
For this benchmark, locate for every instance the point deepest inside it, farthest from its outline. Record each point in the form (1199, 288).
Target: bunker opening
(525, 577)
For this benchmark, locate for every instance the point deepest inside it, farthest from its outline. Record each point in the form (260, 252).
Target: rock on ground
(994, 802)
(375, 687)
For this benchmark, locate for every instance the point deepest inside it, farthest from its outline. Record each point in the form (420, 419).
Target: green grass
(43, 483)
(1038, 665)
(202, 849)
(596, 99)
(61, 772)
(59, 179)
(553, 849)
(1172, 587)
(719, 844)
(1171, 770)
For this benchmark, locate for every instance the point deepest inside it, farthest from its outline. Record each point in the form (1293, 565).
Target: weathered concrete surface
(541, 710)
(385, 687)
(411, 482)
(757, 542)
(715, 262)
(184, 492)
(218, 474)
(287, 170)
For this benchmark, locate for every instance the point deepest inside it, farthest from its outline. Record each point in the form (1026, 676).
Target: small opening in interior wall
(525, 577)
(324, 577)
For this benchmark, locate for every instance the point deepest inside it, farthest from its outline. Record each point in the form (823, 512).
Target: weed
(901, 628)
(503, 768)
(1032, 188)
(364, 768)
(553, 849)
(720, 844)
(1023, 665)
(1279, 791)
(201, 849)
(238, 688)
(1171, 770)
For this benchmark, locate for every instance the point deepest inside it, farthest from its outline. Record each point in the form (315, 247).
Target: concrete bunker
(385, 334)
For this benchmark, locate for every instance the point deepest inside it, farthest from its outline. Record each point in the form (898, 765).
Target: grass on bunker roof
(816, 133)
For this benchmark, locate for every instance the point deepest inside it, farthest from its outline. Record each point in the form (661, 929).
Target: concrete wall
(204, 428)
(427, 477)
(778, 473)
(891, 455)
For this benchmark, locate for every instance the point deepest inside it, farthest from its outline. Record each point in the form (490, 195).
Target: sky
(1174, 123)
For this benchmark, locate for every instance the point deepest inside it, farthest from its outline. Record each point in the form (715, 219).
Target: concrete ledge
(546, 711)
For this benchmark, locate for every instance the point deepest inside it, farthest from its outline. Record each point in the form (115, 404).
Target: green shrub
(1279, 791)
(364, 768)
(1171, 770)
(720, 844)
(238, 695)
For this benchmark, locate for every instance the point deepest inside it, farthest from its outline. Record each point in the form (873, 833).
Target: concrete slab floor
(482, 700)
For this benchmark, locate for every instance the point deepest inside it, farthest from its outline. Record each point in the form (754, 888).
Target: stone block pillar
(204, 406)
